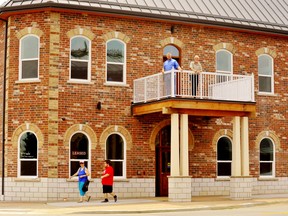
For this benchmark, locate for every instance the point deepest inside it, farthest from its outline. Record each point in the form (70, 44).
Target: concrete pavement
(141, 205)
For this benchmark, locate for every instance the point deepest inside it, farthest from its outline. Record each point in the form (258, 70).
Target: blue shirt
(169, 64)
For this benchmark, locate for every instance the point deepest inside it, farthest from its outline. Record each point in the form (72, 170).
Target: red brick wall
(28, 102)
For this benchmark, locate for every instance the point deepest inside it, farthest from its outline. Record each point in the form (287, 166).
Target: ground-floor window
(267, 158)
(224, 156)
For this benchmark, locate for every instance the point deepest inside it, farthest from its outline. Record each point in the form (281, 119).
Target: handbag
(86, 185)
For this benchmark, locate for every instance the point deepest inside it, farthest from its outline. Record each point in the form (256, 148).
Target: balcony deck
(215, 95)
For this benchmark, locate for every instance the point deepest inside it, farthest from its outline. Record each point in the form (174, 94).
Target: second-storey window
(116, 61)
(265, 73)
(80, 59)
(28, 155)
(29, 57)
(224, 65)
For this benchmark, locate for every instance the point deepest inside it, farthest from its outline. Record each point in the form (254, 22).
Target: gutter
(4, 108)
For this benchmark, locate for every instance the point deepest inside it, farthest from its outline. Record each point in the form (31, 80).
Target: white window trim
(223, 161)
(120, 63)
(272, 76)
(20, 60)
(80, 60)
(231, 59)
(19, 160)
(273, 162)
(89, 153)
(124, 160)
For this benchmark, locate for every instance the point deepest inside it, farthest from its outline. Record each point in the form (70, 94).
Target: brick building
(83, 81)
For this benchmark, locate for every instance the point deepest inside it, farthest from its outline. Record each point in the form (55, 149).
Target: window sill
(32, 179)
(222, 179)
(116, 84)
(267, 179)
(266, 94)
(28, 81)
(80, 82)
(121, 180)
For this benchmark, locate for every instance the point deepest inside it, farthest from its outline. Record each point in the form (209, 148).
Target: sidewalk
(143, 205)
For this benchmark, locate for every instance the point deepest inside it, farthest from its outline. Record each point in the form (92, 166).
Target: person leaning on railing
(168, 65)
(196, 68)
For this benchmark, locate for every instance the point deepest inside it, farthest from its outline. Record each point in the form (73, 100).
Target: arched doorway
(162, 144)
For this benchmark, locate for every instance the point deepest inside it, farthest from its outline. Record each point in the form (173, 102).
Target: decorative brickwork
(265, 50)
(226, 46)
(172, 40)
(219, 134)
(81, 31)
(29, 30)
(271, 135)
(116, 35)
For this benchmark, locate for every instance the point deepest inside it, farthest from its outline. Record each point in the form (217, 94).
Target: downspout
(4, 108)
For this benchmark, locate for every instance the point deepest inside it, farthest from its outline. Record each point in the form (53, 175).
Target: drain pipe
(4, 107)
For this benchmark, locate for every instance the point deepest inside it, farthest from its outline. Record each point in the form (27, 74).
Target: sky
(2, 1)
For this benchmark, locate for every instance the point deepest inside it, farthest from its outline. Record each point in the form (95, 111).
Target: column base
(179, 188)
(241, 187)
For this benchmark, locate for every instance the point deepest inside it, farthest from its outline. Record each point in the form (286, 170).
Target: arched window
(116, 61)
(79, 150)
(224, 62)
(28, 155)
(266, 74)
(174, 51)
(29, 58)
(267, 162)
(224, 156)
(80, 59)
(116, 153)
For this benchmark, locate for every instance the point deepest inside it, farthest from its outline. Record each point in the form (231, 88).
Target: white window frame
(123, 161)
(88, 80)
(19, 159)
(223, 161)
(29, 59)
(231, 61)
(273, 162)
(271, 76)
(118, 63)
(85, 160)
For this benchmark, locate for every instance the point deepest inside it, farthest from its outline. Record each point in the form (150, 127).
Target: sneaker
(104, 201)
(80, 201)
(115, 198)
(88, 199)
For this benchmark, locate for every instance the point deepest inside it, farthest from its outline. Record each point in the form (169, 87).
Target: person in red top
(107, 181)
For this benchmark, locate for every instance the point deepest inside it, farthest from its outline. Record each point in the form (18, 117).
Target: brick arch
(271, 135)
(220, 133)
(116, 35)
(159, 127)
(119, 129)
(29, 30)
(81, 31)
(226, 46)
(27, 127)
(80, 127)
(172, 40)
(265, 50)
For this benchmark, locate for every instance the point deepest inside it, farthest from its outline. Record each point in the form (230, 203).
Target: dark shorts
(107, 188)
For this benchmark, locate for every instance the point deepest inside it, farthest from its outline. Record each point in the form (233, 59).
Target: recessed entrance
(163, 142)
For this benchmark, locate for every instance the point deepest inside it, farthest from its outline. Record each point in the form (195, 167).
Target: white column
(184, 161)
(245, 146)
(236, 150)
(174, 145)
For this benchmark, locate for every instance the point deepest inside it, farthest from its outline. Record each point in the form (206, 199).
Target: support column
(184, 154)
(236, 150)
(174, 145)
(245, 146)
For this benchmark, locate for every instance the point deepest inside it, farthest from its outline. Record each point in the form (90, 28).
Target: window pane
(79, 145)
(224, 149)
(265, 84)
(29, 47)
(80, 48)
(28, 146)
(28, 168)
(29, 69)
(265, 169)
(266, 150)
(118, 168)
(224, 169)
(172, 49)
(223, 60)
(265, 65)
(114, 73)
(115, 147)
(79, 70)
(115, 51)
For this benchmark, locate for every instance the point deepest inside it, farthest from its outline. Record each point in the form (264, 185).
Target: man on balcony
(168, 65)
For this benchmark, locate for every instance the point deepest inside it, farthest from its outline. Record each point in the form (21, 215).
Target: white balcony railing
(213, 86)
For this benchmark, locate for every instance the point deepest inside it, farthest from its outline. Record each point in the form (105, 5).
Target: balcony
(216, 94)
